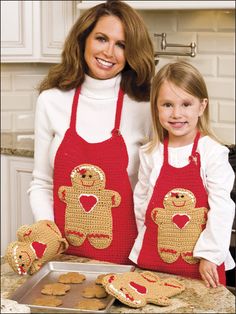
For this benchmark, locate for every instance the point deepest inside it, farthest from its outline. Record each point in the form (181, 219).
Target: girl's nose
(176, 112)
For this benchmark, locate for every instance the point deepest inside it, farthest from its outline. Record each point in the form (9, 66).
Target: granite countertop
(17, 144)
(195, 299)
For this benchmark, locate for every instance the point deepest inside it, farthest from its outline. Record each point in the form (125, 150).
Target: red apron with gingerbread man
(175, 218)
(93, 198)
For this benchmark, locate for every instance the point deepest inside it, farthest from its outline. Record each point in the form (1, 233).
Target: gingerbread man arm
(159, 215)
(115, 198)
(199, 215)
(63, 192)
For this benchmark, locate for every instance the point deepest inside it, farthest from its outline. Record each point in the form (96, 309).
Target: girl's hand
(209, 274)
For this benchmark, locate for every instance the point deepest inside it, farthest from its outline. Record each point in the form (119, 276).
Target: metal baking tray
(50, 272)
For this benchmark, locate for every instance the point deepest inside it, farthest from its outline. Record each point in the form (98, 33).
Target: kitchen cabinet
(34, 31)
(16, 174)
(166, 5)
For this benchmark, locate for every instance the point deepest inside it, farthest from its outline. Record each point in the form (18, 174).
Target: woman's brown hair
(139, 53)
(188, 78)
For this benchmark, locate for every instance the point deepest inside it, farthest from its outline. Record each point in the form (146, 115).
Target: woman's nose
(109, 50)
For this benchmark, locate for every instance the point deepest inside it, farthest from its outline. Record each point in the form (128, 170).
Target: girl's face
(105, 48)
(179, 113)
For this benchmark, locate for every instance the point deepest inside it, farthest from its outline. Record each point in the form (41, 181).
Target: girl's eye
(167, 104)
(186, 104)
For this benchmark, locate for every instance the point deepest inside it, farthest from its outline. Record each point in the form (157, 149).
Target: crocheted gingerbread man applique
(137, 289)
(88, 207)
(179, 225)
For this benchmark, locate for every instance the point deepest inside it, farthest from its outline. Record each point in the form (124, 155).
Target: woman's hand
(209, 273)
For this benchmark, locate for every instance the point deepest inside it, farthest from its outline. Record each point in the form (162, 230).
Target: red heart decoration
(88, 202)
(39, 248)
(138, 288)
(180, 220)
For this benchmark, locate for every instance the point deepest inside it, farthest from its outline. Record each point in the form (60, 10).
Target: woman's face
(105, 48)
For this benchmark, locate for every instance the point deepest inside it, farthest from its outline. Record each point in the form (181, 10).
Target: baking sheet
(50, 272)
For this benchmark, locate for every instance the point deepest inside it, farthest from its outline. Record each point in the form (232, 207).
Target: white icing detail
(122, 294)
(87, 195)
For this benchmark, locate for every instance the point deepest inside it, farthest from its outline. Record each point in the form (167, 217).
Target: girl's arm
(141, 190)
(40, 191)
(214, 241)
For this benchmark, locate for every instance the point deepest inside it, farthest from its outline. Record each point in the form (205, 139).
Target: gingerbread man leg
(168, 254)
(100, 240)
(75, 237)
(188, 257)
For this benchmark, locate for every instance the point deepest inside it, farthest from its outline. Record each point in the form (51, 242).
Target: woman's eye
(101, 38)
(186, 104)
(121, 45)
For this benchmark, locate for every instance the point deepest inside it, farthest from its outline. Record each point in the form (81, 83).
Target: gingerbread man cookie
(88, 207)
(179, 225)
(137, 289)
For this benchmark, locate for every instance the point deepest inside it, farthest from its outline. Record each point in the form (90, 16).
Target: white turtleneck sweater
(95, 121)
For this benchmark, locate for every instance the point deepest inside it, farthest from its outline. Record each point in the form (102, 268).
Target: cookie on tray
(100, 277)
(55, 289)
(71, 277)
(94, 291)
(47, 301)
(93, 304)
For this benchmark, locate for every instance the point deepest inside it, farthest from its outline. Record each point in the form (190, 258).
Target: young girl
(183, 208)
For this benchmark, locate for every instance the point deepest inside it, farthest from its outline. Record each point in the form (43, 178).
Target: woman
(92, 116)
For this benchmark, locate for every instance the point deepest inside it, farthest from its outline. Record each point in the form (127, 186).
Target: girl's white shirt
(218, 179)
(94, 122)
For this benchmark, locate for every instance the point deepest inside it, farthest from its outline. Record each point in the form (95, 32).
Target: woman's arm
(41, 188)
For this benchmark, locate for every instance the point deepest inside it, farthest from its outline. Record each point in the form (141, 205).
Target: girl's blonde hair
(139, 52)
(188, 78)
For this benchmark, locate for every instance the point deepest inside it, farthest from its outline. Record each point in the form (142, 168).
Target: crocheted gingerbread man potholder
(137, 289)
(37, 244)
(179, 225)
(88, 207)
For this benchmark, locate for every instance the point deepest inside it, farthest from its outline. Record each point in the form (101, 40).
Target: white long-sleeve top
(218, 179)
(94, 122)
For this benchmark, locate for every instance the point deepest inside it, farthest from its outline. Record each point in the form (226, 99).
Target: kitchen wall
(212, 30)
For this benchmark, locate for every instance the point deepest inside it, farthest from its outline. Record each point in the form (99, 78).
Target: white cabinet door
(34, 31)
(56, 20)
(16, 176)
(16, 29)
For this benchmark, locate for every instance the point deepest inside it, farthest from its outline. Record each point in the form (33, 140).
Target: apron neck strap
(119, 106)
(193, 153)
(74, 108)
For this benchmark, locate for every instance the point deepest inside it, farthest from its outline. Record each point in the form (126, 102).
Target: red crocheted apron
(93, 198)
(176, 215)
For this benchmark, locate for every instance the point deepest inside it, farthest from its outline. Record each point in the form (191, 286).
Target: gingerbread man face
(178, 199)
(137, 289)
(88, 207)
(88, 177)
